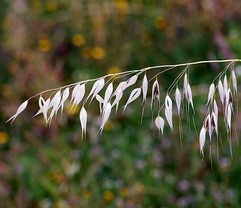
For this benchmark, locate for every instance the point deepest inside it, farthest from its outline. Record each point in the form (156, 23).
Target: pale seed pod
(132, 80)
(144, 89)
(108, 93)
(221, 91)
(155, 93)
(168, 111)
(159, 121)
(133, 96)
(83, 120)
(211, 93)
(178, 99)
(202, 138)
(20, 109)
(105, 116)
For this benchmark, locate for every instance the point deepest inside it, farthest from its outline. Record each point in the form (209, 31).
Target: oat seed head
(220, 97)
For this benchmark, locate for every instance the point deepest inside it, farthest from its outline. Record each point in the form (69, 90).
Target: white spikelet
(105, 116)
(159, 121)
(155, 93)
(76, 87)
(211, 93)
(189, 94)
(20, 109)
(185, 85)
(96, 88)
(132, 80)
(64, 98)
(133, 96)
(215, 108)
(121, 86)
(214, 122)
(100, 100)
(202, 138)
(228, 99)
(229, 116)
(45, 110)
(178, 98)
(144, 89)
(221, 91)
(225, 84)
(168, 110)
(83, 120)
(108, 93)
(79, 94)
(118, 97)
(41, 103)
(54, 104)
(208, 125)
(234, 81)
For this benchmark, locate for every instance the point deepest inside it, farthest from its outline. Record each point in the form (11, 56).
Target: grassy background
(46, 44)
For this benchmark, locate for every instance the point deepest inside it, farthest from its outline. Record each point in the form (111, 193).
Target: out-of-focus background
(50, 43)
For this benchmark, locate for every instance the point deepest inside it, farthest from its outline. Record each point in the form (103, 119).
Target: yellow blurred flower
(4, 137)
(108, 196)
(86, 193)
(52, 5)
(108, 126)
(121, 5)
(44, 44)
(114, 70)
(160, 23)
(78, 40)
(97, 53)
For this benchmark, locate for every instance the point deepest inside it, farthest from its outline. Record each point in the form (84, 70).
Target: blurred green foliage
(49, 43)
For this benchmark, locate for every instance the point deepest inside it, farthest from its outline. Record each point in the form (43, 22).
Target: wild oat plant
(220, 98)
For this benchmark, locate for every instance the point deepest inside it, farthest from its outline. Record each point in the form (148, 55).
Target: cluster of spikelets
(227, 90)
(76, 95)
